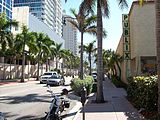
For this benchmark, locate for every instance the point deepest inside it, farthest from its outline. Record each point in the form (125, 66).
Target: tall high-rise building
(48, 11)
(6, 7)
(70, 36)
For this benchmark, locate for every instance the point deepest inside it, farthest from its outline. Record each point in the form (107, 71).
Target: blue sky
(113, 24)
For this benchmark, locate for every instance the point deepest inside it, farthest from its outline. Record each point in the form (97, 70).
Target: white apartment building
(70, 36)
(48, 11)
(22, 15)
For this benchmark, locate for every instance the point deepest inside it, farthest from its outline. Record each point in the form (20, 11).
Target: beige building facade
(141, 41)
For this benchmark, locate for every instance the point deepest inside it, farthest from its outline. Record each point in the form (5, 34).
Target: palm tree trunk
(56, 63)
(47, 65)
(28, 69)
(23, 66)
(99, 95)
(10, 76)
(81, 62)
(90, 65)
(157, 8)
(4, 70)
(38, 66)
(119, 68)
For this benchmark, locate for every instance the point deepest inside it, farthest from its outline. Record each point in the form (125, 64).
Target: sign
(126, 39)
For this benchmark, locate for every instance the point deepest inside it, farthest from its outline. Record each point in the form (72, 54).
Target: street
(27, 101)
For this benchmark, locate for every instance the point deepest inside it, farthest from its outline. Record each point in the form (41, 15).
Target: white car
(46, 75)
(94, 75)
(56, 80)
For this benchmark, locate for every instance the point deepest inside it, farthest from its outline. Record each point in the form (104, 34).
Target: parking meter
(83, 95)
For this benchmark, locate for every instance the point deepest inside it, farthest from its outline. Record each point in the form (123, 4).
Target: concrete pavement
(116, 106)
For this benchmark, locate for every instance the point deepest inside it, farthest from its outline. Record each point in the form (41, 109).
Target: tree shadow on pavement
(113, 107)
(27, 98)
(29, 117)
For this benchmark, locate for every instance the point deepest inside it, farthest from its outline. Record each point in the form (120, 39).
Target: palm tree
(85, 24)
(5, 32)
(43, 43)
(90, 48)
(24, 39)
(57, 49)
(102, 9)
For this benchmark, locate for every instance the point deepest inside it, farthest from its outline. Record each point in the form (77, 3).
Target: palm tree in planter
(90, 48)
(85, 24)
(25, 39)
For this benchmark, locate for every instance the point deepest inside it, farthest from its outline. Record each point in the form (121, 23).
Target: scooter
(57, 106)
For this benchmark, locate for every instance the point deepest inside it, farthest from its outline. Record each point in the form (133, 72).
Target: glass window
(8, 2)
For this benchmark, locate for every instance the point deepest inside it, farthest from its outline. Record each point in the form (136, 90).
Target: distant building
(138, 42)
(70, 35)
(48, 11)
(6, 7)
(22, 15)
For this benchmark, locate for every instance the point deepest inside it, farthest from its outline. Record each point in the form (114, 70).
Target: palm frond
(74, 23)
(105, 7)
(123, 3)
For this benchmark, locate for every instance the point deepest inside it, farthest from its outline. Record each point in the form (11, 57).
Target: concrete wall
(142, 38)
(15, 71)
(142, 30)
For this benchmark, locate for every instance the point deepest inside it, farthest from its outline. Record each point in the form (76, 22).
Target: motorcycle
(57, 106)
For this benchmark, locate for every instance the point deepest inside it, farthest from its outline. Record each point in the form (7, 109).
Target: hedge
(143, 92)
(77, 84)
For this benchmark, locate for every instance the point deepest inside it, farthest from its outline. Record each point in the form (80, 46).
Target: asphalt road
(28, 101)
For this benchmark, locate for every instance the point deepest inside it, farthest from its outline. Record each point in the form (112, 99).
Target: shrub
(77, 84)
(143, 92)
(117, 82)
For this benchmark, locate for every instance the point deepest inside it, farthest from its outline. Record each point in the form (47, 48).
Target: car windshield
(47, 74)
(94, 73)
(55, 77)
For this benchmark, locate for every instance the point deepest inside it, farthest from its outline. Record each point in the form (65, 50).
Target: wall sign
(126, 40)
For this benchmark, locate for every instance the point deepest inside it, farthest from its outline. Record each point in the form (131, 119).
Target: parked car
(94, 75)
(56, 80)
(46, 75)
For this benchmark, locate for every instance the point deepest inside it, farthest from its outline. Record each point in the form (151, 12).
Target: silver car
(56, 80)
(46, 75)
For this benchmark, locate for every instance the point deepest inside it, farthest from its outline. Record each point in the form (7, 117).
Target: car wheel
(40, 82)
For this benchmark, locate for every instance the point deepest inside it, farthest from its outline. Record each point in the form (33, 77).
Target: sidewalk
(117, 106)
(6, 82)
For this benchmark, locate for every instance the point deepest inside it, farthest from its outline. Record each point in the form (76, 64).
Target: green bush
(143, 92)
(77, 84)
(94, 88)
(117, 82)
